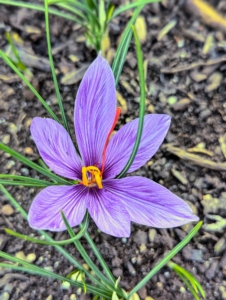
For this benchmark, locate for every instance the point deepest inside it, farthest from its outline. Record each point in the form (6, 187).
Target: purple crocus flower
(112, 203)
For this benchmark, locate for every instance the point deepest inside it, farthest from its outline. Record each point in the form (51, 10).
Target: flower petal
(56, 147)
(95, 108)
(121, 144)
(149, 203)
(109, 213)
(45, 210)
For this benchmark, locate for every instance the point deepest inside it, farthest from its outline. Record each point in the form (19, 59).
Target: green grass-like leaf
(122, 49)
(32, 165)
(192, 283)
(166, 259)
(23, 78)
(68, 256)
(55, 243)
(41, 8)
(142, 105)
(33, 269)
(53, 69)
(86, 257)
(124, 8)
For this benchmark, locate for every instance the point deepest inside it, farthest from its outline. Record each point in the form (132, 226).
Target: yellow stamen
(96, 177)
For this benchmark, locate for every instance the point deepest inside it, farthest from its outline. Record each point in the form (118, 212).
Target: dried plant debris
(74, 76)
(218, 226)
(166, 29)
(207, 13)
(196, 159)
(187, 67)
(214, 205)
(222, 141)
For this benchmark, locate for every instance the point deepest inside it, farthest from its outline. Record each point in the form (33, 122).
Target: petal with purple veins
(95, 108)
(45, 210)
(121, 144)
(56, 147)
(149, 203)
(109, 213)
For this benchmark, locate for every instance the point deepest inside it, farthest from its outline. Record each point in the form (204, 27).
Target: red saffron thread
(117, 114)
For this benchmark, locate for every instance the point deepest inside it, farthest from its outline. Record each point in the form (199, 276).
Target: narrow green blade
(142, 105)
(165, 260)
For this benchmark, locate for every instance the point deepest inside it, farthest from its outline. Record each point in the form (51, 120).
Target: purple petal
(45, 210)
(149, 203)
(109, 213)
(121, 144)
(56, 148)
(95, 109)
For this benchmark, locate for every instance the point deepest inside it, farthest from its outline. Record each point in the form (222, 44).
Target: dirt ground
(186, 70)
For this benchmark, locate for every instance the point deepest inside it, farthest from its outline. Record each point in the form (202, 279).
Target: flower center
(95, 177)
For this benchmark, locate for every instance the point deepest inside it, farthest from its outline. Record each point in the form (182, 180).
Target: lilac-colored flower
(112, 203)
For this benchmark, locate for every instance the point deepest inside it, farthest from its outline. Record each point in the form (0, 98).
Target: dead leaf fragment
(214, 81)
(182, 104)
(127, 86)
(197, 64)
(122, 102)
(218, 226)
(10, 78)
(200, 150)
(196, 159)
(74, 76)
(197, 76)
(209, 43)
(179, 176)
(222, 141)
(166, 29)
(207, 13)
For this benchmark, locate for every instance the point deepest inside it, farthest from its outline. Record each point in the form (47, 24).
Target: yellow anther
(84, 176)
(98, 179)
(95, 179)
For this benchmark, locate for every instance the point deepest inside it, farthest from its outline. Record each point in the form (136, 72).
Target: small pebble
(159, 285)
(12, 128)
(152, 235)
(133, 260)
(6, 139)
(143, 248)
(7, 210)
(79, 291)
(131, 269)
(5, 296)
(31, 257)
(10, 164)
(182, 290)
(124, 240)
(134, 297)
(140, 237)
(65, 285)
(24, 171)
(142, 292)
(211, 272)
(20, 255)
(167, 274)
(117, 272)
(172, 100)
(28, 150)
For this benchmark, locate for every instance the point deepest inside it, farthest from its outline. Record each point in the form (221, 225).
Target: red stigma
(117, 114)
